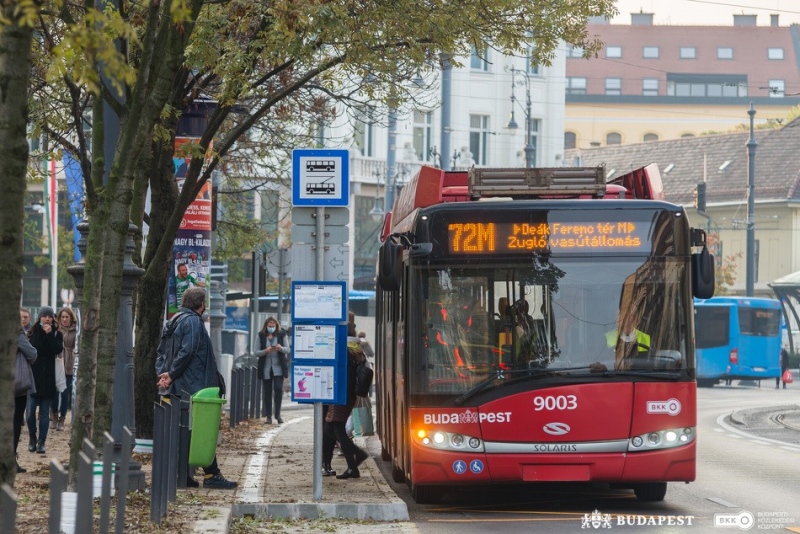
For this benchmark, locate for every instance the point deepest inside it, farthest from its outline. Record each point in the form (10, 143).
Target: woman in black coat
(49, 343)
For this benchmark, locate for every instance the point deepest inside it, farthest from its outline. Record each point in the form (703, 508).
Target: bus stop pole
(320, 272)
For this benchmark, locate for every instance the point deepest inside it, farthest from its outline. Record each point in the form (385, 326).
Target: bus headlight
(662, 439)
(446, 441)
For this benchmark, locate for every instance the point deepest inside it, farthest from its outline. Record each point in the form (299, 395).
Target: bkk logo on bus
(670, 406)
(466, 417)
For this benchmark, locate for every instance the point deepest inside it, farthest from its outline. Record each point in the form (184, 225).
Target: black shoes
(327, 470)
(269, 420)
(32, 444)
(20, 469)
(350, 473)
(192, 483)
(40, 448)
(278, 418)
(218, 482)
(361, 456)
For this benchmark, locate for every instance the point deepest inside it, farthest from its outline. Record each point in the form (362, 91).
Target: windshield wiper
(669, 375)
(537, 372)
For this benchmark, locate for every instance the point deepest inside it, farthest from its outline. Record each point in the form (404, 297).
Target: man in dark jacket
(185, 363)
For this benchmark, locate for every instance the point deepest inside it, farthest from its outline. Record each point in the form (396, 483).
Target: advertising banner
(191, 251)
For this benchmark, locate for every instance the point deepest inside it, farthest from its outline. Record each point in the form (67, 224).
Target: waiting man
(185, 362)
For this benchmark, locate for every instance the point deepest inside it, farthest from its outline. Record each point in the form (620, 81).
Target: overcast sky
(709, 12)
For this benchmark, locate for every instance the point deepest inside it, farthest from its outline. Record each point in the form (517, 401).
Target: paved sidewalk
(276, 478)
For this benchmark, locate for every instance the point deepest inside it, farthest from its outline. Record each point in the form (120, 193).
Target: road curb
(373, 511)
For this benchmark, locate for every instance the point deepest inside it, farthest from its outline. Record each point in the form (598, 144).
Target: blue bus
(737, 338)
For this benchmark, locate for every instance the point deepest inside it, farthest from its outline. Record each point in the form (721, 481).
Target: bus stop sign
(320, 178)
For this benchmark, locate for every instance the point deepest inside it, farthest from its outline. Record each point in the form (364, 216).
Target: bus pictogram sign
(320, 177)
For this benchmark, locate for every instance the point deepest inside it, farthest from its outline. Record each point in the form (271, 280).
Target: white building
(475, 133)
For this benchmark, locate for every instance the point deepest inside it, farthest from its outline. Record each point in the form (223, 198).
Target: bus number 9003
(561, 402)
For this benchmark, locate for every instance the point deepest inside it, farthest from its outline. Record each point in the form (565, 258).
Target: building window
(775, 53)
(724, 52)
(366, 247)
(530, 68)
(574, 51)
(478, 58)
(534, 140)
(700, 86)
(613, 139)
(613, 86)
(423, 134)
(479, 138)
(650, 86)
(650, 137)
(776, 89)
(613, 51)
(650, 52)
(688, 52)
(364, 131)
(576, 86)
(570, 140)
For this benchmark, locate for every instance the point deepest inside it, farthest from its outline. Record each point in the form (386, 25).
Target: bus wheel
(425, 494)
(706, 383)
(651, 491)
(398, 475)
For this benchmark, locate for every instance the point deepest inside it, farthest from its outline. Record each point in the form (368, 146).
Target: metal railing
(170, 468)
(81, 502)
(245, 395)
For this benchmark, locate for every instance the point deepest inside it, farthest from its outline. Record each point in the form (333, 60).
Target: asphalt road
(748, 474)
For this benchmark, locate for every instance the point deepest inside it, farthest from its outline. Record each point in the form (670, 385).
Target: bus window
(712, 327)
(759, 321)
(564, 323)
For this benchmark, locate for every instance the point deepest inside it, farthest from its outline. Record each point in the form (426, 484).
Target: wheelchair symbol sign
(459, 467)
(476, 466)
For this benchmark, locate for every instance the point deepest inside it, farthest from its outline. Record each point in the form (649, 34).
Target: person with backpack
(337, 415)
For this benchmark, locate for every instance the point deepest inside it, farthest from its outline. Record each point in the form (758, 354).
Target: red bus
(501, 294)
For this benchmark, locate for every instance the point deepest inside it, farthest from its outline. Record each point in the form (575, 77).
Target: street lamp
(512, 124)
(377, 212)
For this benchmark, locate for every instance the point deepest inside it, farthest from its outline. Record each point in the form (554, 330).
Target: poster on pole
(319, 301)
(191, 251)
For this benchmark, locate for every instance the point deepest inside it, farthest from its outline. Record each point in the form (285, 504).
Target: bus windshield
(576, 315)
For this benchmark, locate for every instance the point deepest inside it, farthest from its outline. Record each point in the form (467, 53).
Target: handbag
(61, 375)
(23, 380)
(362, 417)
(787, 378)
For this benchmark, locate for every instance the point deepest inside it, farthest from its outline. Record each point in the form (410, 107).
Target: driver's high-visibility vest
(642, 339)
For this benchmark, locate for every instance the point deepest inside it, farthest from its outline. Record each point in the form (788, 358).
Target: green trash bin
(206, 414)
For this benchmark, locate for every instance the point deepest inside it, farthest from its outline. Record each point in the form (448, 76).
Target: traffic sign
(336, 262)
(320, 178)
(333, 216)
(307, 234)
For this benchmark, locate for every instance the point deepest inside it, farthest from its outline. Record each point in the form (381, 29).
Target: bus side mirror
(390, 263)
(703, 274)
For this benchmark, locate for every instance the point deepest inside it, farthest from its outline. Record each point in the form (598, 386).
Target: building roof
(684, 162)
(750, 63)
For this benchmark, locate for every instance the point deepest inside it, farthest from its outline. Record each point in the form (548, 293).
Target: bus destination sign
(514, 237)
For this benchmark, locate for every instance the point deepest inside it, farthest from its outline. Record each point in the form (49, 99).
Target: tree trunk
(15, 68)
(151, 297)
